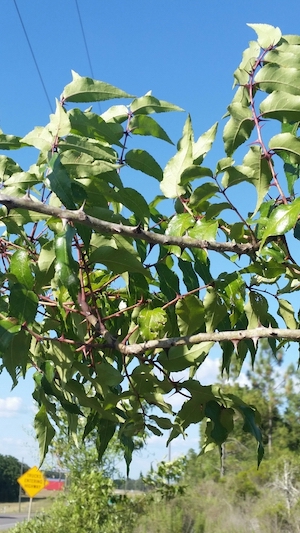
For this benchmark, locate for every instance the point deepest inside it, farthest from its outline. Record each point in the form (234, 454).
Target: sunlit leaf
(238, 128)
(267, 35)
(144, 125)
(141, 160)
(152, 322)
(282, 219)
(286, 311)
(44, 431)
(148, 104)
(171, 182)
(83, 89)
(271, 78)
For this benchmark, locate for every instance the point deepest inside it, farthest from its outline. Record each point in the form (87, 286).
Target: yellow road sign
(32, 481)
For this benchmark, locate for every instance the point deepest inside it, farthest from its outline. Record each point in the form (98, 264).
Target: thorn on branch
(235, 343)
(27, 195)
(138, 229)
(255, 341)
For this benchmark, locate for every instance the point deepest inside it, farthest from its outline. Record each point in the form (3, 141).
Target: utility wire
(33, 56)
(85, 44)
(84, 39)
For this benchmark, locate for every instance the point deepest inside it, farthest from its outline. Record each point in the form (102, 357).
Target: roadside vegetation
(124, 296)
(221, 491)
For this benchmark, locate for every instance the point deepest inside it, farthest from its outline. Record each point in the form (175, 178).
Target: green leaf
(281, 106)
(143, 161)
(152, 323)
(286, 144)
(272, 78)
(108, 375)
(59, 122)
(116, 113)
(20, 266)
(23, 303)
(148, 104)
(91, 147)
(238, 174)
(292, 173)
(193, 172)
(83, 89)
(249, 415)
(136, 203)
(224, 164)
(45, 264)
(202, 194)
(189, 276)
(80, 165)
(118, 260)
(162, 422)
(181, 357)
(202, 265)
(179, 224)
(256, 310)
(144, 125)
(25, 180)
(78, 390)
(192, 410)
(204, 229)
(8, 167)
(168, 280)
(267, 35)
(238, 128)
(66, 267)
(297, 230)
(40, 138)
(213, 410)
(44, 432)
(285, 55)
(215, 310)
(286, 311)
(190, 314)
(171, 182)
(15, 356)
(283, 218)
(203, 145)
(60, 183)
(215, 209)
(106, 431)
(250, 56)
(10, 142)
(261, 174)
(87, 124)
(8, 329)
(128, 446)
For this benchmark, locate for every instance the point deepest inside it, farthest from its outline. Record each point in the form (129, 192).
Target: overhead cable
(84, 39)
(33, 55)
(86, 45)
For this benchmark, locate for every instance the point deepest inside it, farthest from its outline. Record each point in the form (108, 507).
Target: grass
(43, 500)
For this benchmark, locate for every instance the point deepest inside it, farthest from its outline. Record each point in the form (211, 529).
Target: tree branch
(136, 233)
(233, 336)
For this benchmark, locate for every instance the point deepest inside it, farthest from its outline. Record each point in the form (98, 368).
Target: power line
(33, 56)
(84, 39)
(86, 45)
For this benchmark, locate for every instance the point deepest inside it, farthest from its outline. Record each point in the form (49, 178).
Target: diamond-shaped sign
(32, 481)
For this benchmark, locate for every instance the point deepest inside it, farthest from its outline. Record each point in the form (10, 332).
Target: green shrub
(89, 506)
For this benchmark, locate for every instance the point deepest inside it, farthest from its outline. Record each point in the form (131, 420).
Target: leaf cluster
(111, 294)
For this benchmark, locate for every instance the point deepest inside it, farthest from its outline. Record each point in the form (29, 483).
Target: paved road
(9, 520)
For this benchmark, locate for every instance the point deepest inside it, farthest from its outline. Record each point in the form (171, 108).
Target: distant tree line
(10, 470)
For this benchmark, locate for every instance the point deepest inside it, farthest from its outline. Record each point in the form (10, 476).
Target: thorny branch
(136, 233)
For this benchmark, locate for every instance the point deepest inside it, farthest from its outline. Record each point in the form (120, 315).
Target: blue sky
(185, 51)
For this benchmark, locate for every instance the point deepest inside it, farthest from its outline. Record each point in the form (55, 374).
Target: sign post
(32, 482)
